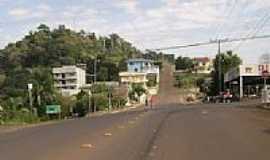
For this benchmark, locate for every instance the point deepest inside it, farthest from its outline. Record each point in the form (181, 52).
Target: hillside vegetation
(31, 59)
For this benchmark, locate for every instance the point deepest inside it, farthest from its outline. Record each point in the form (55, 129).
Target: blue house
(141, 71)
(139, 65)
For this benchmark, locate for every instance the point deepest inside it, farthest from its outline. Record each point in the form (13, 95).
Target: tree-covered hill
(47, 47)
(30, 60)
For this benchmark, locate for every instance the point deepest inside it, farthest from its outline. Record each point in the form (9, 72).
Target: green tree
(184, 63)
(228, 61)
(30, 60)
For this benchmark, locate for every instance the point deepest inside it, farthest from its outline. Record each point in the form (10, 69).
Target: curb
(10, 129)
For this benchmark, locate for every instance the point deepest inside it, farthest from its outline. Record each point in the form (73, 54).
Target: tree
(2, 79)
(228, 60)
(184, 63)
(31, 59)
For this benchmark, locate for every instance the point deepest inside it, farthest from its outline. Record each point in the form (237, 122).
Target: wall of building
(127, 77)
(249, 70)
(69, 79)
(244, 70)
(204, 66)
(138, 66)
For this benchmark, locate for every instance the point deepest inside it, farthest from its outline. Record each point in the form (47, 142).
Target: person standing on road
(151, 102)
(146, 103)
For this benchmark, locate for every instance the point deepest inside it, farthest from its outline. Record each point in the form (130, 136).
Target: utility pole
(95, 71)
(219, 68)
(95, 79)
(89, 101)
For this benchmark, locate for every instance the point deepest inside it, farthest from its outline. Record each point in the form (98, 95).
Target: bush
(18, 117)
(186, 82)
(137, 90)
(66, 102)
(102, 102)
(81, 106)
(118, 102)
(99, 88)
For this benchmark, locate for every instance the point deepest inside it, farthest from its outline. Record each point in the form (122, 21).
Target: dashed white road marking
(87, 146)
(108, 134)
(131, 122)
(204, 112)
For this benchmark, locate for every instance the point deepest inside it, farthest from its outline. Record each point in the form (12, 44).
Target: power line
(212, 42)
(259, 26)
(229, 13)
(236, 21)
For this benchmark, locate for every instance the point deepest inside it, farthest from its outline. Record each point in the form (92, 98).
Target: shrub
(118, 102)
(101, 101)
(81, 106)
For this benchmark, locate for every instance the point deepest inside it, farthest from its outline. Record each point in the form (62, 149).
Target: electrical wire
(212, 42)
(258, 27)
(229, 13)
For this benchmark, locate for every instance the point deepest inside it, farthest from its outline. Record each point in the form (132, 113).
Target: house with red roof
(203, 65)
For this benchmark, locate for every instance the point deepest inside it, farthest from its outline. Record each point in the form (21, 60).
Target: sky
(149, 24)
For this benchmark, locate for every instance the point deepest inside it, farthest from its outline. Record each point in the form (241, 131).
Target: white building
(69, 79)
(246, 78)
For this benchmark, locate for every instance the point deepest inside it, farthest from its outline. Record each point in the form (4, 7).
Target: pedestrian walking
(146, 104)
(151, 102)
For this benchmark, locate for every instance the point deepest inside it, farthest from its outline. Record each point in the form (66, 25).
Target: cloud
(130, 6)
(165, 23)
(3, 2)
(44, 7)
(19, 12)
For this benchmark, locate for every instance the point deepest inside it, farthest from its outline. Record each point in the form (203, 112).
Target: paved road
(191, 132)
(168, 132)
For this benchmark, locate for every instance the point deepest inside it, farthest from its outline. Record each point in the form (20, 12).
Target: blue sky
(148, 23)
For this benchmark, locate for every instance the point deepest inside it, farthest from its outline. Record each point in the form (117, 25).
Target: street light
(95, 79)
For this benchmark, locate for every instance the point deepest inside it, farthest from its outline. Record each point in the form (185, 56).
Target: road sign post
(53, 110)
(265, 91)
(265, 76)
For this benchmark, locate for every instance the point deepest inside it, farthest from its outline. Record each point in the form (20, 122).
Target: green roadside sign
(53, 109)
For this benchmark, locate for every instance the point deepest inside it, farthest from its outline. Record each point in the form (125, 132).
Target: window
(71, 74)
(248, 70)
(64, 82)
(131, 63)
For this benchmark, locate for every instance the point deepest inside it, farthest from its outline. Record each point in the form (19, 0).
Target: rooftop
(201, 59)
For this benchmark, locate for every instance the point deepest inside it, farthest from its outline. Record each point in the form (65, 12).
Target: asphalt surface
(170, 131)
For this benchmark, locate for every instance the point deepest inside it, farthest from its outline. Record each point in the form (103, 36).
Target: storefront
(246, 80)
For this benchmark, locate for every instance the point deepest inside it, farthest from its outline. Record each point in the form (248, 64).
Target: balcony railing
(152, 69)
